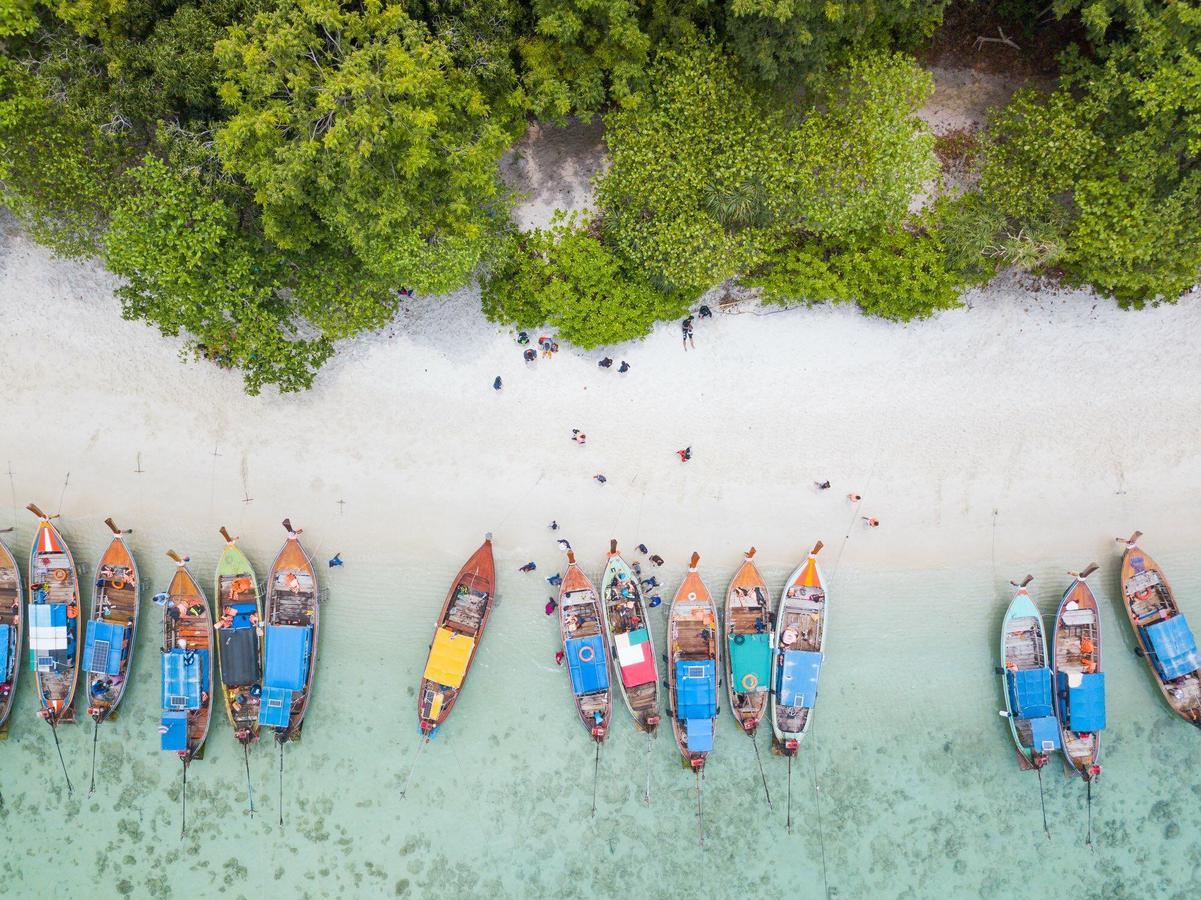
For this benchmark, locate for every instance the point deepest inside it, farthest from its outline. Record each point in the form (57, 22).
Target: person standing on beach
(554, 580)
(530, 354)
(578, 436)
(705, 312)
(523, 338)
(497, 384)
(558, 657)
(685, 454)
(624, 367)
(599, 478)
(822, 485)
(335, 561)
(686, 328)
(553, 526)
(854, 498)
(872, 521)
(551, 606)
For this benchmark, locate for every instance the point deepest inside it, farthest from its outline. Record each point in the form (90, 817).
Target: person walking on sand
(685, 454)
(553, 526)
(558, 657)
(854, 498)
(872, 521)
(624, 367)
(578, 436)
(530, 354)
(497, 384)
(605, 363)
(599, 478)
(822, 485)
(686, 329)
(551, 606)
(528, 567)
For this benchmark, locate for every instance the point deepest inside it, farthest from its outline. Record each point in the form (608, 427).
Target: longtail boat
(799, 644)
(187, 675)
(582, 630)
(1079, 679)
(289, 645)
(693, 658)
(1026, 681)
(748, 644)
(457, 635)
(239, 640)
(54, 638)
(1165, 640)
(112, 632)
(11, 632)
(290, 652)
(239, 645)
(630, 641)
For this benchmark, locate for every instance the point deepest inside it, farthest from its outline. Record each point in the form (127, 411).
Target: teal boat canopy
(696, 690)
(174, 731)
(1030, 693)
(1082, 706)
(184, 678)
(750, 662)
(275, 707)
(1174, 648)
(6, 638)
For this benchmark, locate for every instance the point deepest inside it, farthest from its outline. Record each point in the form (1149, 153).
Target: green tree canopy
(354, 126)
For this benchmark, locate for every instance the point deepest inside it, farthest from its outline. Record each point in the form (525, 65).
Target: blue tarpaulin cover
(103, 650)
(700, 735)
(696, 690)
(1175, 649)
(185, 675)
(1030, 693)
(1044, 733)
(6, 632)
(588, 665)
(1084, 706)
(242, 613)
(287, 656)
(174, 731)
(275, 707)
(798, 678)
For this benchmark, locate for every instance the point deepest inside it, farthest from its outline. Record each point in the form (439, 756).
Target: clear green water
(920, 793)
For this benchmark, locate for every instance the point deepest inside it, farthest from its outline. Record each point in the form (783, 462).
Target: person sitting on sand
(554, 580)
(872, 521)
(656, 559)
(551, 606)
(624, 367)
(599, 478)
(605, 363)
(530, 354)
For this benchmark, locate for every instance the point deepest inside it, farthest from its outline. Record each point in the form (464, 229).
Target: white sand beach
(1071, 419)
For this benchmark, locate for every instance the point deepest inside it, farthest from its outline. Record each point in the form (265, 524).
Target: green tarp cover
(750, 662)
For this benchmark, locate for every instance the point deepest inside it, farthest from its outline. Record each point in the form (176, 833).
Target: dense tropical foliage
(265, 175)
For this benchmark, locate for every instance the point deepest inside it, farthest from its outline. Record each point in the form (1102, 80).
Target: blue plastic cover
(242, 613)
(47, 615)
(185, 676)
(696, 690)
(287, 656)
(588, 665)
(275, 707)
(1083, 707)
(798, 678)
(1175, 649)
(174, 731)
(1044, 733)
(103, 650)
(700, 735)
(5, 639)
(1030, 693)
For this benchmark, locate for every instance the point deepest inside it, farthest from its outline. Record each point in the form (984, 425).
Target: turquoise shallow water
(920, 795)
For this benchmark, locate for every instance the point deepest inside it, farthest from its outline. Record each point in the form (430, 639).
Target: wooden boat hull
(804, 610)
(1183, 694)
(1076, 646)
(747, 617)
(10, 615)
(581, 618)
(54, 579)
(626, 615)
(115, 601)
(236, 587)
(692, 636)
(465, 613)
(1022, 631)
(190, 632)
(300, 606)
